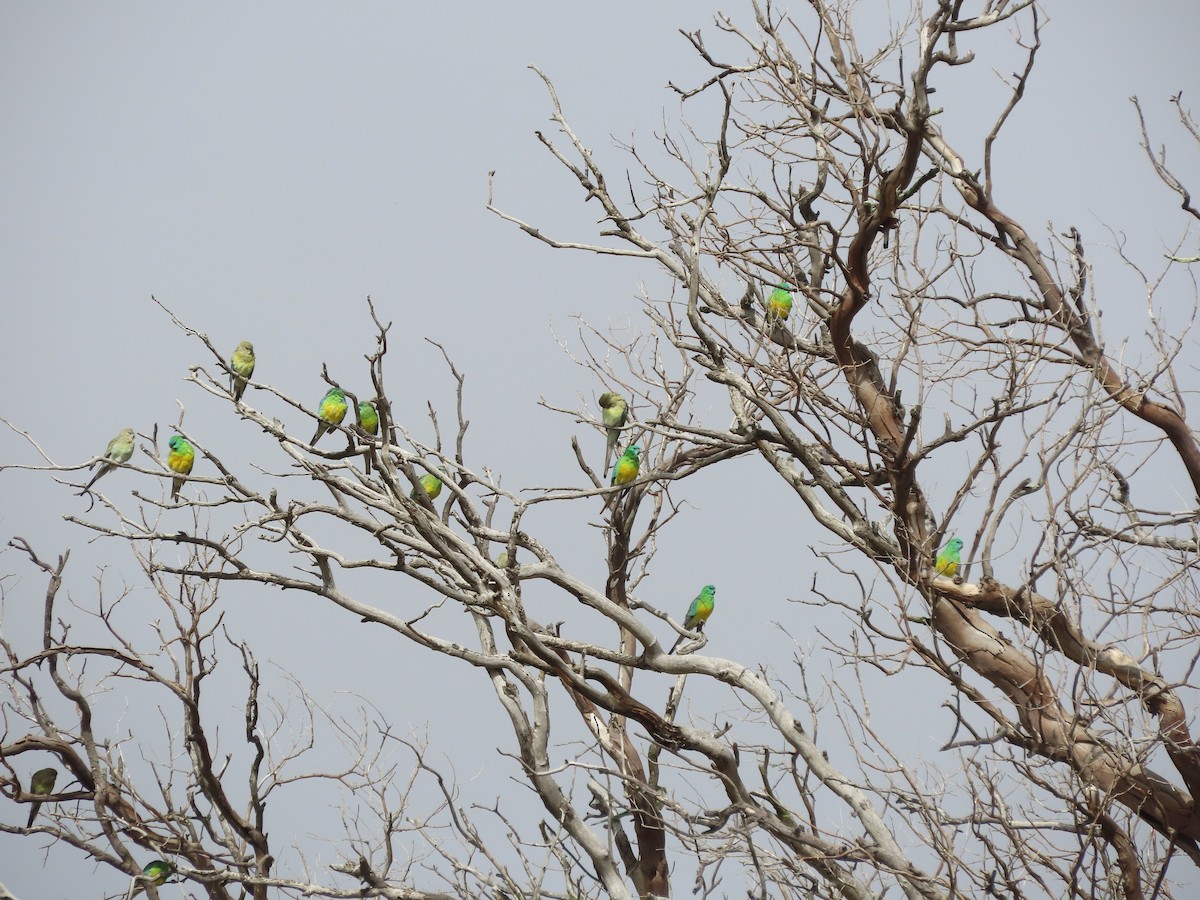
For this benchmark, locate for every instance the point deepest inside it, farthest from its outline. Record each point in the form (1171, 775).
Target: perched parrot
(779, 304)
(41, 783)
(502, 559)
(156, 872)
(242, 363)
(368, 417)
(120, 450)
(180, 461)
(331, 412)
(947, 560)
(616, 410)
(627, 467)
(698, 612)
(625, 471)
(430, 483)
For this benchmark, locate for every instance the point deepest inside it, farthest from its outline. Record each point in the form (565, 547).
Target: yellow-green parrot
(948, 559)
(697, 613)
(242, 364)
(368, 418)
(180, 461)
(156, 872)
(42, 784)
(119, 450)
(331, 412)
(779, 304)
(616, 411)
(625, 471)
(430, 484)
(627, 467)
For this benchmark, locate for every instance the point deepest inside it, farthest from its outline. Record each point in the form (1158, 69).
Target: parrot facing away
(41, 783)
(698, 612)
(948, 559)
(180, 461)
(430, 484)
(331, 411)
(120, 450)
(368, 417)
(156, 872)
(242, 364)
(616, 411)
(779, 304)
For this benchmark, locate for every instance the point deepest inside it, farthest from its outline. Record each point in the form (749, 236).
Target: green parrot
(120, 450)
(779, 304)
(698, 613)
(156, 872)
(948, 560)
(242, 364)
(331, 412)
(368, 418)
(625, 471)
(180, 461)
(627, 467)
(616, 411)
(40, 783)
(431, 484)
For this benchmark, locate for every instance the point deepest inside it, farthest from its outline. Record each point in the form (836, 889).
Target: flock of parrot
(628, 467)
(333, 408)
(332, 411)
(182, 455)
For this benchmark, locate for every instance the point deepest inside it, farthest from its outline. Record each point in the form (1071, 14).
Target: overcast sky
(262, 168)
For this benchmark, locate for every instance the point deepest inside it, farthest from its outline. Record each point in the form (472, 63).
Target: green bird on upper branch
(616, 411)
(242, 365)
(331, 411)
(42, 784)
(948, 559)
(120, 450)
(697, 613)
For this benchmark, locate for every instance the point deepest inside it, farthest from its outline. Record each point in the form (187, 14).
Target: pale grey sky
(261, 169)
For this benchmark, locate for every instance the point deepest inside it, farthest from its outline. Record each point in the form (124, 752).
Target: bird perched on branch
(156, 872)
(627, 467)
(430, 484)
(616, 411)
(697, 613)
(368, 418)
(42, 784)
(625, 471)
(119, 450)
(779, 304)
(180, 461)
(948, 559)
(331, 411)
(242, 364)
